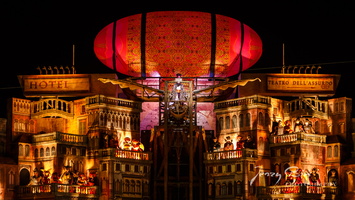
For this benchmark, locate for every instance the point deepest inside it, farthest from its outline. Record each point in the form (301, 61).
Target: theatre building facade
(178, 118)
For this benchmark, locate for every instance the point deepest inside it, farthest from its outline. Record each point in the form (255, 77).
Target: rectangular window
(118, 167)
(104, 167)
(127, 168)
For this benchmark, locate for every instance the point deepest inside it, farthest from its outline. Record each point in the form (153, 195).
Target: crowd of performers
(43, 177)
(281, 128)
(229, 145)
(126, 144)
(304, 177)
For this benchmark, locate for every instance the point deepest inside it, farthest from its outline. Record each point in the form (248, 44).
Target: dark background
(42, 33)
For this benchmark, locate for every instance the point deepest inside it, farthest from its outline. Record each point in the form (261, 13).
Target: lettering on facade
(300, 83)
(56, 84)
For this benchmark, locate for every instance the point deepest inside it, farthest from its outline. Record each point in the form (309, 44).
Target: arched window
(20, 150)
(351, 181)
(218, 189)
(126, 186)
(336, 151)
(36, 152)
(41, 152)
(234, 121)
(27, 150)
(329, 152)
(210, 189)
(247, 120)
(241, 120)
(224, 189)
(138, 187)
(239, 188)
(261, 119)
(133, 186)
(48, 153)
(221, 123)
(53, 151)
(230, 188)
(228, 122)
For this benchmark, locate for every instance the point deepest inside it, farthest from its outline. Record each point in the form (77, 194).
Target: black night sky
(42, 33)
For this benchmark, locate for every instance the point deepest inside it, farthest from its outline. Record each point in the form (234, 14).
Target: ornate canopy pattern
(165, 43)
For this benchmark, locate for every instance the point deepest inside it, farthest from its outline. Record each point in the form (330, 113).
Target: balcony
(57, 191)
(232, 154)
(245, 101)
(123, 154)
(100, 99)
(298, 137)
(52, 107)
(61, 137)
(308, 107)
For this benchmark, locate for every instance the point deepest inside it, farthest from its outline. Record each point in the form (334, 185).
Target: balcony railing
(56, 189)
(296, 189)
(112, 152)
(52, 107)
(255, 99)
(300, 136)
(61, 137)
(232, 154)
(100, 99)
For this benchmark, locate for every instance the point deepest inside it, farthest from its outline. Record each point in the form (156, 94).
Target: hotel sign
(61, 85)
(301, 84)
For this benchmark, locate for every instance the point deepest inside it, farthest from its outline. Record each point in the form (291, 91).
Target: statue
(178, 89)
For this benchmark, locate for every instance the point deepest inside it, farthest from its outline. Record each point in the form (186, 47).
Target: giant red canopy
(164, 43)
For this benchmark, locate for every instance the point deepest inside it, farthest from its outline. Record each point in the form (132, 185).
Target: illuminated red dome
(194, 44)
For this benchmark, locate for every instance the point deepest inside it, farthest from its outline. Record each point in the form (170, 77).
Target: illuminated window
(261, 119)
(210, 188)
(11, 178)
(228, 122)
(221, 123)
(234, 121)
(82, 127)
(329, 152)
(41, 152)
(229, 168)
(351, 181)
(336, 151)
(218, 189)
(27, 150)
(118, 167)
(48, 153)
(20, 150)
